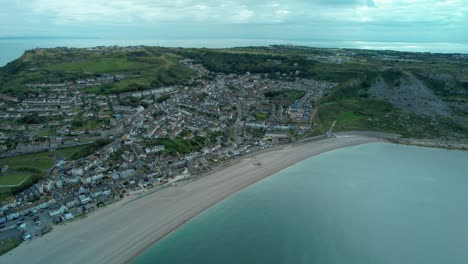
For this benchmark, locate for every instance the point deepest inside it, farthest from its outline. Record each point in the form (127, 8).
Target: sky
(444, 21)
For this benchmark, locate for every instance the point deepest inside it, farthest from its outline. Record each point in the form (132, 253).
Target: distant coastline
(45, 37)
(12, 47)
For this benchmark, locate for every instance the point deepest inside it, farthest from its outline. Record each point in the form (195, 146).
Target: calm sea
(12, 48)
(375, 203)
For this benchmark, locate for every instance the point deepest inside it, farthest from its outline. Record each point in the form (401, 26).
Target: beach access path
(120, 231)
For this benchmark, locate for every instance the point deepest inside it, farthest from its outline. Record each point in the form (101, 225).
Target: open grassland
(13, 179)
(376, 115)
(261, 116)
(65, 153)
(89, 124)
(99, 66)
(46, 133)
(41, 161)
(355, 114)
(144, 68)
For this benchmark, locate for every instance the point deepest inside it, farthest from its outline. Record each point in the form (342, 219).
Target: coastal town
(85, 130)
(143, 141)
(233, 132)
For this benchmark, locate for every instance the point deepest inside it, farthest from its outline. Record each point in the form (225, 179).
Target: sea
(374, 203)
(12, 48)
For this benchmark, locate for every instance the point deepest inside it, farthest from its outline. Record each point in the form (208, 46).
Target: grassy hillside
(144, 68)
(354, 107)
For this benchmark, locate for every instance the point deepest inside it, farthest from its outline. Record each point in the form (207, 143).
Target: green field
(13, 179)
(374, 115)
(41, 161)
(261, 116)
(86, 124)
(99, 66)
(68, 152)
(46, 133)
(355, 114)
(83, 151)
(143, 69)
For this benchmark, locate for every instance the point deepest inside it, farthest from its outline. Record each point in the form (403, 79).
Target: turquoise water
(12, 48)
(374, 203)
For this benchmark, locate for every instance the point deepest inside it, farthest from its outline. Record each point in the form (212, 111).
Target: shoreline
(430, 143)
(237, 160)
(123, 230)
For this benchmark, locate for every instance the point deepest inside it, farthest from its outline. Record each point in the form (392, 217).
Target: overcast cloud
(371, 20)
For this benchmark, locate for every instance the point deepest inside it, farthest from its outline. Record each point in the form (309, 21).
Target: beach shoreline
(121, 231)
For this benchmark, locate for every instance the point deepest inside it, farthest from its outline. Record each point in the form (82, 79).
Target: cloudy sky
(365, 20)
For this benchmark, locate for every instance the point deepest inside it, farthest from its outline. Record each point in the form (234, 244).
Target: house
(276, 137)
(40, 186)
(93, 178)
(126, 173)
(12, 215)
(154, 149)
(101, 192)
(178, 165)
(70, 202)
(67, 216)
(58, 210)
(48, 185)
(77, 172)
(114, 175)
(84, 199)
(58, 184)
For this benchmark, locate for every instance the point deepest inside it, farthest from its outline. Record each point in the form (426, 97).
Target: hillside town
(153, 138)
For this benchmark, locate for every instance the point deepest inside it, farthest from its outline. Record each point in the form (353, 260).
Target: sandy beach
(118, 232)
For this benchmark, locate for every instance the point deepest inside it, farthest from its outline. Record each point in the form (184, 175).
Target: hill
(413, 94)
(136, 68)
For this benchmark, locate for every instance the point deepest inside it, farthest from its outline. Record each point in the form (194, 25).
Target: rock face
(411, 95)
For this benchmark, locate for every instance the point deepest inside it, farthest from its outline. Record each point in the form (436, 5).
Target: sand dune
(120, 231)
